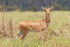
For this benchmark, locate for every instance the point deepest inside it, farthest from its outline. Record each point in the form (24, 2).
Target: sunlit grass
(60, 20)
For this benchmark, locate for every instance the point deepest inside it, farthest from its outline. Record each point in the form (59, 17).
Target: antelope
(37, 26)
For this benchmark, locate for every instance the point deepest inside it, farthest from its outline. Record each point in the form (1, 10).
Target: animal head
(47, 10)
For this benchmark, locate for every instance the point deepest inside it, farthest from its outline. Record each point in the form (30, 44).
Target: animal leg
(19, 35)
(39, 37)
(43, 36)
(24, 35)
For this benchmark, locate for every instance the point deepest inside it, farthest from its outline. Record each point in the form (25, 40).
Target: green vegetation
(60, 20)
(35, 5)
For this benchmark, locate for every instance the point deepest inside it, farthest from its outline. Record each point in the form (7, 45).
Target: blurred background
(33, 5)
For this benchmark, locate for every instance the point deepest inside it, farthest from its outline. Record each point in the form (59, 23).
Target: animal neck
(47, 18)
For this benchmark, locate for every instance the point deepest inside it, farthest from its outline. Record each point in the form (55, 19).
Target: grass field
(60, 23)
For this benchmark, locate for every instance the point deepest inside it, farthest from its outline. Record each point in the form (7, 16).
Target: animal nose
(48, 13)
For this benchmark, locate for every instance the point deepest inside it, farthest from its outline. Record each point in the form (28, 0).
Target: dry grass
(60, 24)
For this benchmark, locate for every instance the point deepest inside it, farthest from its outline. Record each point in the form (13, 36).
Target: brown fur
(38, 26)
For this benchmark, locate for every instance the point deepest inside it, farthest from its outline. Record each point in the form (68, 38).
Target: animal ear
(51, 8)
(44, 8)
